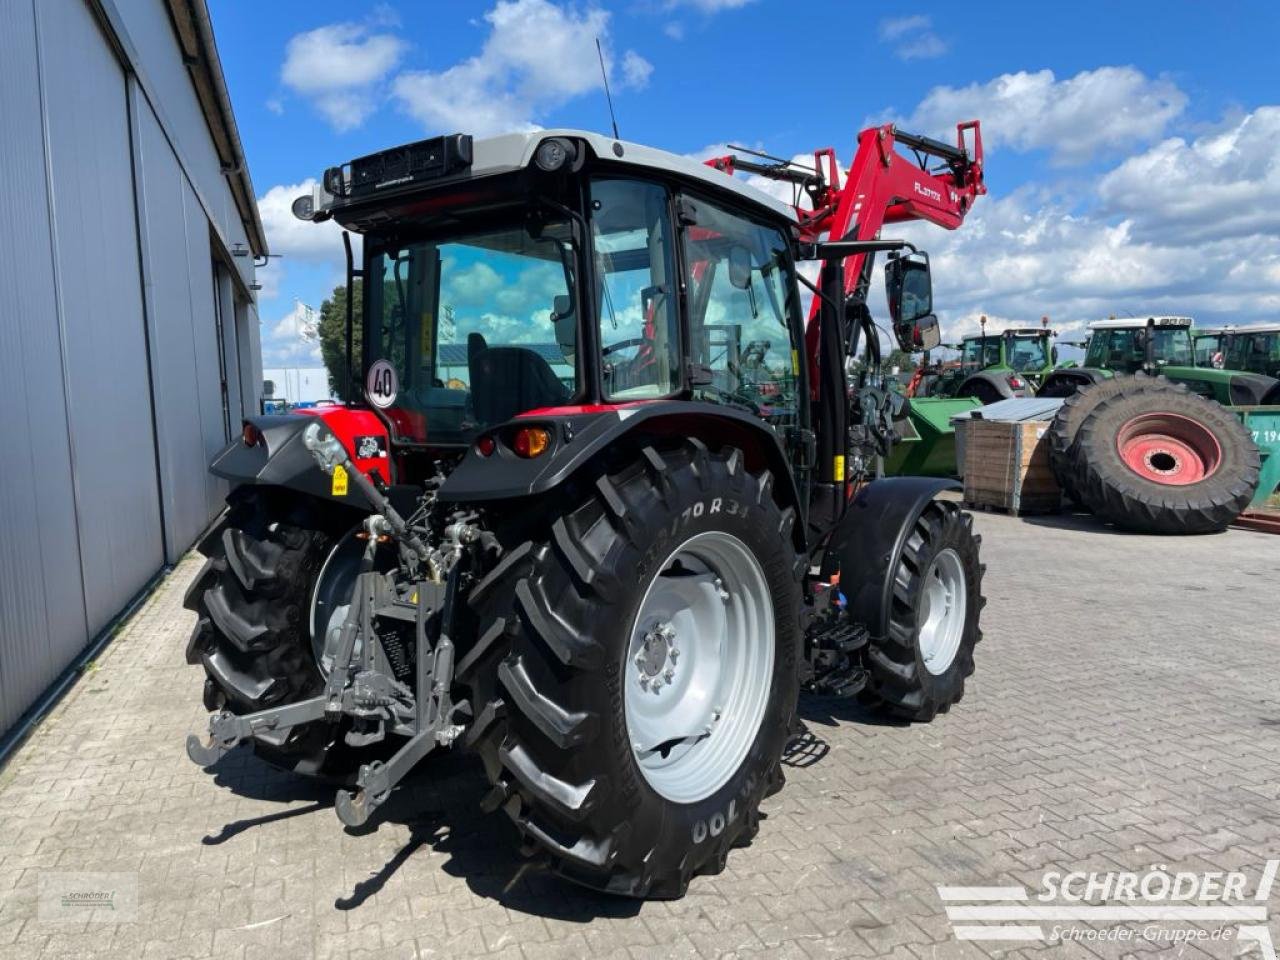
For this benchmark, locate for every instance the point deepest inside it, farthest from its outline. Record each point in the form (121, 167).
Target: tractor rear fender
(995, 380)
(578, 436)
(1249, 389)
(278, 458)
(868, 542)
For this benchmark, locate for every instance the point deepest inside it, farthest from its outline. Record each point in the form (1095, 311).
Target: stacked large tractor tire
(1148, 455)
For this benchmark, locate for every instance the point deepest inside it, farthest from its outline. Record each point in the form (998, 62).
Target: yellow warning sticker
(339, 488)
(795, 363)
(837, 469)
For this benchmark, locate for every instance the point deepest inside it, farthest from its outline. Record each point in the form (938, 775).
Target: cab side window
(741, 300)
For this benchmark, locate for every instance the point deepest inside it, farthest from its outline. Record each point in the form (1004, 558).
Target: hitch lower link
(427, 713)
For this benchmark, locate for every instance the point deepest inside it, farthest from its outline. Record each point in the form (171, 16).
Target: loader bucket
(927, 445)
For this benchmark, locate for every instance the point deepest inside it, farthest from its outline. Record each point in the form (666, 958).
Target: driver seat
(506, 381)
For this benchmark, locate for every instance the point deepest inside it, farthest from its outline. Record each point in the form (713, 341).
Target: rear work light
(530, 442)
(553, 154)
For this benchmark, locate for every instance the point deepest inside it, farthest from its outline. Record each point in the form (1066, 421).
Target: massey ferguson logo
(927, 192)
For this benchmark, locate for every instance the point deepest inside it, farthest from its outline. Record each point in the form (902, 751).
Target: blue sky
(1134, 148)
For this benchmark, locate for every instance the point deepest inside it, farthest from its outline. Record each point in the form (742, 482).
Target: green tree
(904, 361)
(333, 341)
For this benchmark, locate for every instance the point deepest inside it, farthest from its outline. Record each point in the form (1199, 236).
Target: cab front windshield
(1255, 352)
(1124, 348)
(478, 323)
(1027, 354)
(980, 352)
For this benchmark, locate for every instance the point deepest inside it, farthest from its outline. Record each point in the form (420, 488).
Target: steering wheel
(623, 344)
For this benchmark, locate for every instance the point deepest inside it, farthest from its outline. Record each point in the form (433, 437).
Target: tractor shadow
(1074, 519)
(834, 711)
(439, 805)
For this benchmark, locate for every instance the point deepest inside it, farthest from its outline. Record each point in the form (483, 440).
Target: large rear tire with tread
(555, 663)
(919, 669)
(1072, 414)
(252, 634)
(1154, 460)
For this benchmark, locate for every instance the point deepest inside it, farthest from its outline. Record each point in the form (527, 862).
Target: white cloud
(293, 238)
(913, 37)
(674, 30)
(1224, 184)
(1102, 110)
(635, 70)
(338, 68)
(536, 57)
(1028, 255)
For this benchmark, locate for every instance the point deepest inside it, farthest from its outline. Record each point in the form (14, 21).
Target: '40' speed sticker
(381, 384)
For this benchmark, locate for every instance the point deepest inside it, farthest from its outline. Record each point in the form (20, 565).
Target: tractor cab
(1128, 345)
(535, 274)
(1254, 349)
(1162, 346)
(999, 366)
(1210, 346)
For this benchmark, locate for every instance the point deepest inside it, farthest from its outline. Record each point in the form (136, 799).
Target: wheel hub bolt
(719, 585)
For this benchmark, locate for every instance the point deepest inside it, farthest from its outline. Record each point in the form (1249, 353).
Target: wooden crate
(1006, 466)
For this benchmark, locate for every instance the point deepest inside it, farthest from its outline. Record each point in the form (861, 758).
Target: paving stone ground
(1124, 714)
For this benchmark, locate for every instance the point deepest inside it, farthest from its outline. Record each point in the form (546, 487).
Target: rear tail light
(1016, 383)
(485, 446)
(530, 442)
(251, 435)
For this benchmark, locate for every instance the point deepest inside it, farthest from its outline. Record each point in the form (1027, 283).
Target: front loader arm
(883, 186)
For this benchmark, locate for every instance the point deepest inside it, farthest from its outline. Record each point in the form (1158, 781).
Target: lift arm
(938, 183)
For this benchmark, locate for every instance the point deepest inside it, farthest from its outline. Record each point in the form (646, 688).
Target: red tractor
(596, 503)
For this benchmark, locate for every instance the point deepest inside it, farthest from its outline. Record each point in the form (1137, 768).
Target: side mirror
(565, 324)
(909, 287)
(740, 267)
(925, 335)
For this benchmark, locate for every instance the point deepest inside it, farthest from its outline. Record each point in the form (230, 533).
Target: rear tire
(252, 636)
(1154, 460)
(919, 669)
(554, 672)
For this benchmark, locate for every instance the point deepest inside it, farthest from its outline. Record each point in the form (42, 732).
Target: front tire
(919, 669)
(555, 672)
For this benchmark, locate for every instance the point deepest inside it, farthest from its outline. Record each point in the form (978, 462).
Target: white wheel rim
(699, 667)
(941, 617)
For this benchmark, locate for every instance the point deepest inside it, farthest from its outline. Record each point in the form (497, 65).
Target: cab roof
(1124, 323)
(492, 156)
(1011, 331)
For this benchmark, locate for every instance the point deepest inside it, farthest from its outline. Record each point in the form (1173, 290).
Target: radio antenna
(604, 75)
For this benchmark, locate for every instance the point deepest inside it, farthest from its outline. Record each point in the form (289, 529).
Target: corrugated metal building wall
(129, 338)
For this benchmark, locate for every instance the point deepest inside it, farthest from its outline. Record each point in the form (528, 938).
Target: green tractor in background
(992, 367)
(999, 366)
(1209, 347)
(1160, 346)
(1254, 350)
(1159, 432)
